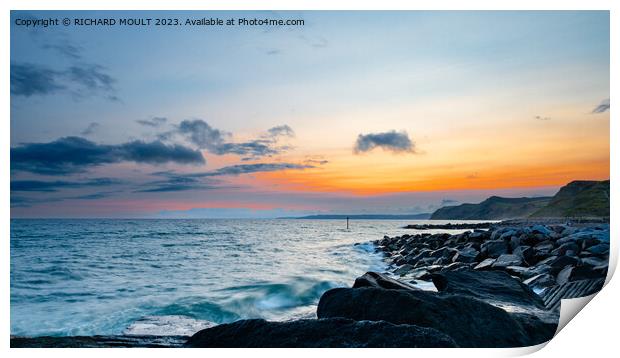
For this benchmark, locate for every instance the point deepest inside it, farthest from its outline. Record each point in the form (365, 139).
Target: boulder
(540, 281)
(377, 280)
(486, 264)
(404, 269)
(564, 248)
(494, 248)
(526, 253)
(562, 261)
(311, 333)
(470, 322)
(600, 249)
(466, 255)
(495, 287)
(507, 260)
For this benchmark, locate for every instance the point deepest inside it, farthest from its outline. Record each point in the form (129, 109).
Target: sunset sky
(353, 112)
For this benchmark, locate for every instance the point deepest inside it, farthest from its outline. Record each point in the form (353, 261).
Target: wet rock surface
(312, 333)
(470, 322)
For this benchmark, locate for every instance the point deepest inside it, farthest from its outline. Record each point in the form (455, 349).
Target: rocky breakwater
(549, 259)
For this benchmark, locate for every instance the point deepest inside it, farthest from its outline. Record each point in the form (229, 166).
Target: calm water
(85, 277)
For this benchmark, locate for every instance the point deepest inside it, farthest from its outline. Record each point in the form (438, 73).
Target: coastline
(525, 259)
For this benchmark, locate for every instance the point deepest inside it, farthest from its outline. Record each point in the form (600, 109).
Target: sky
(351, 112)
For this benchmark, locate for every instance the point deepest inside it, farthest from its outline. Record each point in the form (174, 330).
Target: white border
(592, 332)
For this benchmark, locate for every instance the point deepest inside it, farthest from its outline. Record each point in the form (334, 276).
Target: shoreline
(536, 264)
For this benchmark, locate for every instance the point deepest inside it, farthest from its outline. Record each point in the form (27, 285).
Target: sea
(175, 277)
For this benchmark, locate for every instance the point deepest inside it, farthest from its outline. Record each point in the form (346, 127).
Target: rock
(593, 261)
(536, 270)
(404, 269)
(564, 248)
(310, 333)
(541, 229)
(537, 329)
(545, 246)
(470, 322)
(466, 255)
(562, 261)
(540, 281)
(507, 260)
(516, 270)
(494, 248)
(377, 280)
(600, 249)
(117, 341)
(564, 275)
(526, 253)
(495, 287)
(572, 273)
(485, 264)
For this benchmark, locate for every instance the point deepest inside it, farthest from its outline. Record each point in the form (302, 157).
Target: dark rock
(526, 253)
(516, 270)
(507, 260)
(377, 280)
(562, 261)
(310, 333)
(466, 255)
(494, 248)
(536, 270)
(564, 248)
(486, 264)
(404, 269)
(495, 287)
(539, 331)
(470, 322)
(540, 281)
(545, 246)
(120, 341)
(599, 249)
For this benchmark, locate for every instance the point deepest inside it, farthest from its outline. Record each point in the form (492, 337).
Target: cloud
(80, 80)
(90, 129)
(65, 48)
(602, 107)
(30, 80)
(52, 186)
(216, 141)
(280, 131)
(255, 168)
(75, 154)
(397, 142)
(179, 182)
(204, 180)
(541, 118)
(153, 122)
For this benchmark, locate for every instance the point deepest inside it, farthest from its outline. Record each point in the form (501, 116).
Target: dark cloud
(51, 186)
(280, 131)
(76, 154)
(80, 80)
(393, 141)
(216, 141)
(602, 107)
(254, 168)
(153, 122)
(65, 48)
(30, 80)
(201, 134)
(90, 129)
(542, 118)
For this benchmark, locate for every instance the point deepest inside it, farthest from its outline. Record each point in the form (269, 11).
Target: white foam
(167, 326)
